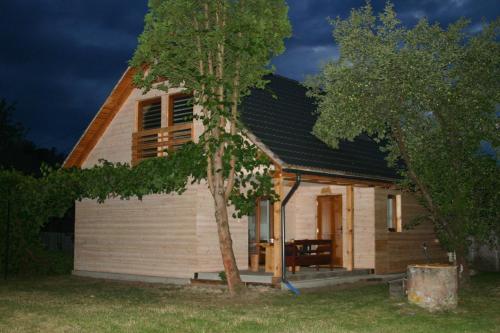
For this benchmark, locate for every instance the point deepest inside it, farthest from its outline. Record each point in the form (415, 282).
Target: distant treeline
(16, 151)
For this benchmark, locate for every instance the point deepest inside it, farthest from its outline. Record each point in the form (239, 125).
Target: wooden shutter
(181, 109)
(150, 116)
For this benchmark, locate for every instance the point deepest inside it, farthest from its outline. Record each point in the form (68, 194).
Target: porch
(315, 215)
(342, 226)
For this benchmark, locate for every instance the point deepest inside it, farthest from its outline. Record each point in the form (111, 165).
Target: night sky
(59, 59)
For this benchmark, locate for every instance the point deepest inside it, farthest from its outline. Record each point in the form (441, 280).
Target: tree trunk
(234, 282)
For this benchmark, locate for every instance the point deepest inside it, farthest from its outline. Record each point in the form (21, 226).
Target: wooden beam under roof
(350, 228)
(278, 237)
(336, 180)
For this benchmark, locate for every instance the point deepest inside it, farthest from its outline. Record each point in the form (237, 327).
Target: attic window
(162, 127)
(181, 109)
(150, 114)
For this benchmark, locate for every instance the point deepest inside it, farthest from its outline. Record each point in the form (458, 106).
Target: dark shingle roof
(284, 124)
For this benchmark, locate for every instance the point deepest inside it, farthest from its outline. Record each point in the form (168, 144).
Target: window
(252, 229)
(150, 114)
(148, 118)
(181, 109)
(260, 224)
(164, 124)
(180, 115)
(394, 213)
(265, 220)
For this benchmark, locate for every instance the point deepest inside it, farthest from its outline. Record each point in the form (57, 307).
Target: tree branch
(399, 137)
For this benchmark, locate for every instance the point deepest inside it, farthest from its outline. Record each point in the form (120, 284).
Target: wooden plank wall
(290, 212)
(396, 250)
(301, 218)
(306, 208)
(163, 235)
(115, 145)
(208, 250)
(152, 237)
(364, 227)
(374, 246)
(98, 125)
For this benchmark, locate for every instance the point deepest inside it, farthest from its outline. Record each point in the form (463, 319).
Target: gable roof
(279, 120)
(282, 118)
(102, 119)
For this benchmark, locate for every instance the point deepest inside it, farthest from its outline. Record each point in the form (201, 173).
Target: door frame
(257, 217)
(332, 226)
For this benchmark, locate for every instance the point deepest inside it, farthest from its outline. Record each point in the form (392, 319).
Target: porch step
(312, 274)
(260, 278)
(220, 284)
(306, 273)
(334, 281)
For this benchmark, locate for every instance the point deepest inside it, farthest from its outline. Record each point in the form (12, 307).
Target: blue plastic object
(292, 288)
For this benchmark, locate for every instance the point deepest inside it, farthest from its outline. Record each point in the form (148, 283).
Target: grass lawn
(71, 304)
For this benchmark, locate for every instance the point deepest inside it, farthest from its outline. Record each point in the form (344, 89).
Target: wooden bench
(307, 252)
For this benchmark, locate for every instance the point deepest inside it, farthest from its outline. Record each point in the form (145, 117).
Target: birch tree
(218, 50)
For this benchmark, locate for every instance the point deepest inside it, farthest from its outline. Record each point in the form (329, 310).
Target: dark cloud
(60, 59)
(312, 43)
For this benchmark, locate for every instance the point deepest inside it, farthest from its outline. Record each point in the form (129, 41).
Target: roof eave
(314, 171)
(337, 173)
(112, 104)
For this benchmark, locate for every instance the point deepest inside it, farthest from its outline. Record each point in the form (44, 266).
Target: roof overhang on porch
(288, 172)
(335, 178)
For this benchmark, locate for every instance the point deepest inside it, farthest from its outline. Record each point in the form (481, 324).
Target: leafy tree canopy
(218, 50)
(429, 95)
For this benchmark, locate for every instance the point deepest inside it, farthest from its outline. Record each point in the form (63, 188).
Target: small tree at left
(26, 203)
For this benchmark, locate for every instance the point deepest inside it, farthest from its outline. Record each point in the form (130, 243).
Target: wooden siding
(208, 250)
(101, 121)
(290, 212)
(364, 228)
(374, 246)
(305, 210)
(153, 237)
(115, 145)
(163, 235)
(394, 251)
(301, 219)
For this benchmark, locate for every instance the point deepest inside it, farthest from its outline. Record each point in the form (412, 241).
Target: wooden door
(330, 224)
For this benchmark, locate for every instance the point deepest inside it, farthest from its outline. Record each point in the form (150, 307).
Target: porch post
(278, 188)
(350, 228)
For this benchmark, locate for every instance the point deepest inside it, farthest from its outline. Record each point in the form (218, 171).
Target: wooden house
(346, 198)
